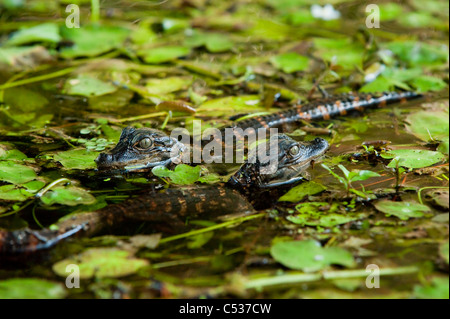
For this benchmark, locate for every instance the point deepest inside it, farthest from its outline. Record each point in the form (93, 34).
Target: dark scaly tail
(168, 207)
(324, 109)
(27, 241)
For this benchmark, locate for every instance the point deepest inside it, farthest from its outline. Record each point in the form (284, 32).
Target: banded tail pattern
(168, 206)
(325, 109)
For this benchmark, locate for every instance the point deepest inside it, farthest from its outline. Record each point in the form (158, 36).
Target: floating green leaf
(320, 214)
(24, 100)
(428, 125)
(167, 85)
(290, 62)
(45, 32)
(92, 40)
(77, 159)
(31, 288)
(182, 175)
(101, 263)
(214, 42)
(67, 195)
(164, 54)
(418, 53)
(403, 210)
(299, 192)
(413, 158)
(86, 85)
(309, 256)
(11, 192)
(16, 173)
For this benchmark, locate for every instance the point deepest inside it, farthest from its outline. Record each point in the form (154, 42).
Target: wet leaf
(229, 105)
(11, 192)
(403, 210)
(427, 83)
(214, 42)
(309, 256)
(101, 263)
(87, 40)
(182, 175)
(16, 173)
(24, 100)
(31, 288)
(46, 32)
(67, 195)
(11, 154)
(413, 158)
(418, 53)
(86, 85)
(438, 289)
(299, 192)
(342, 52)
(167, 85)
(428, 125)
(320, 214)
(290, 62)
(164, 54)
(77, 159)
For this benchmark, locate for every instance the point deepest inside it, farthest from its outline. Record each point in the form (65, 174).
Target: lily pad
(92, 40)
(167, 85)
(182, 175)
(320, 214)
(403, 210)
(309, 256)
(16, 173)
(101, 263)
(67, 195)
(299, 192)
(290, 62)
(214, 42)
(428, 125)
(413, 158)
(24, 100)
(11, 192)
(77, 159)
(88, 86)
(31, 288)
(46, 32)
(418, 53)
(164, 54)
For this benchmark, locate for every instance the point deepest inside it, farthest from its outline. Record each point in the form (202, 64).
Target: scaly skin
(129, 156)
(173, 205)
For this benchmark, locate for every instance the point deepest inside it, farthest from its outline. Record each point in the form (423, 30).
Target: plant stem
(326, 275)
(207, 229)
(95, 11)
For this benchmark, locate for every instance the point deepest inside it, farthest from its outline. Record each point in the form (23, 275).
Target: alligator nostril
(104, 158)
(318, 140)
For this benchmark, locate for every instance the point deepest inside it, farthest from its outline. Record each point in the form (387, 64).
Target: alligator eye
(145, 143)
(294, 150)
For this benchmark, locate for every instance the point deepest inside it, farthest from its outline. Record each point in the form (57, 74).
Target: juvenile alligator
(172, 205)
(142, 149)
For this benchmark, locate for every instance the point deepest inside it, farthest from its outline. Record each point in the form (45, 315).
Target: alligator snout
(104, 160)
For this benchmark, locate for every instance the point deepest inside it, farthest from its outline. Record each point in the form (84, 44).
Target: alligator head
(283, 167)
(139, 150)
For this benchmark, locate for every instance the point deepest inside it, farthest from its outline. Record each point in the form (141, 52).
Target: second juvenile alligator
(174, 205)
(143, 149)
